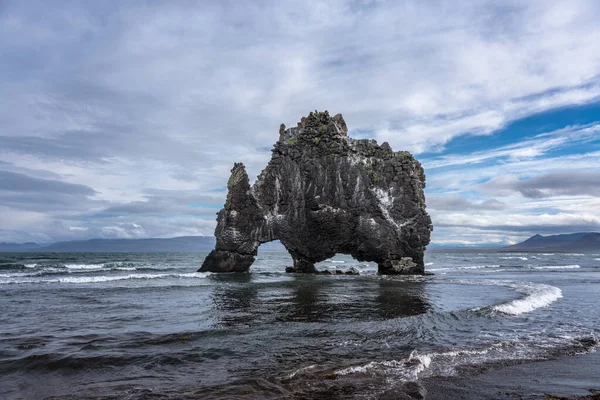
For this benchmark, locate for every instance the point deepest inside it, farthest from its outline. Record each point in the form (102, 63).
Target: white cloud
(581, 220)
(126, 97)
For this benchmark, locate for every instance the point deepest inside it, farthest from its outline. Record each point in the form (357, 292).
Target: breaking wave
(125, 266)
(46, 269)
(465, 268)
(96, 279)
(444, 363)
(507, 267)
(557, 267)
(536, 296)
(407, 369)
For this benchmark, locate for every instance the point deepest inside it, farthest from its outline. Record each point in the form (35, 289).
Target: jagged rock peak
(325, 193)
(317, 124)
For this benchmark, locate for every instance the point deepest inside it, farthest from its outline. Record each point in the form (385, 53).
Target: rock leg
(227, 261)
(403, 266)
(304, 266)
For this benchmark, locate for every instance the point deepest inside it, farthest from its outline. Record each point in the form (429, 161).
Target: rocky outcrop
(325, 193)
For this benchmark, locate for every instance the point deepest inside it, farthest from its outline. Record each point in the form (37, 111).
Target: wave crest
(96, 279)
(536, 296)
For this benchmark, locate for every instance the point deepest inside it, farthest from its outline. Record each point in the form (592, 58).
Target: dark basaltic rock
(325, 193)
(352, 271)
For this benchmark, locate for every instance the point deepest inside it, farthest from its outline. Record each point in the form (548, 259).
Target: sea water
(130, 325)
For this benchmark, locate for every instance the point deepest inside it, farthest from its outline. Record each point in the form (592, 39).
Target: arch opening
(345, 263)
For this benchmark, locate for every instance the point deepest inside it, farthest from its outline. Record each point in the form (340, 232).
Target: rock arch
(325, 193)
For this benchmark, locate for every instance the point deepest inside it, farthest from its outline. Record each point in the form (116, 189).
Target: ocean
(138, 326)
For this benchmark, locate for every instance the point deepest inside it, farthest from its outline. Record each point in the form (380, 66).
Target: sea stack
(324, 193)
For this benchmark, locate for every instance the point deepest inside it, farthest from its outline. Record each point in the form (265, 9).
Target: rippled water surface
(147, 325)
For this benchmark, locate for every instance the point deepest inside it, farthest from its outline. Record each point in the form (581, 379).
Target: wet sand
(573, 377)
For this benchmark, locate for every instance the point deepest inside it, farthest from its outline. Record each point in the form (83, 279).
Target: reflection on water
(397, 299)
(234, 298)
(239, 299)
(308, 301)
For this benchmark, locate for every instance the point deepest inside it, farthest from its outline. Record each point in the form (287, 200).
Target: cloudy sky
(123, 119)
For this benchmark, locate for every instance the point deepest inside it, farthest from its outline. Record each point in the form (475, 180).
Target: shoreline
(567, 377)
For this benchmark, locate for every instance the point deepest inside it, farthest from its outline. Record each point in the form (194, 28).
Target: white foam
(300, 370)
(537, 296)
(407, 369)
(429, 263)
(444, 363)
(357, 369)
(422, 361)
(461, 268)
(557, 267)
(336, 261)
(117, 266)
(417, 364)
(16, 275)
(459, 353)
(191, 275)
(514, 258)
(540, 267)
(83, 266)
(97, 279)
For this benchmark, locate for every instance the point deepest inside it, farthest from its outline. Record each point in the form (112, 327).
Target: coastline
(568, 377)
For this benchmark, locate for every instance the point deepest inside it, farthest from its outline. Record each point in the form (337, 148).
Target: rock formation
(325, 193)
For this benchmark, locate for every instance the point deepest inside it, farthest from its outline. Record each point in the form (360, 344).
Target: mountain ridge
(579, 242)
(149, 245)
(562, 243)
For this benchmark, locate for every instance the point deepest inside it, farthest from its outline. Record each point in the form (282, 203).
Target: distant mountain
(17, 247)
(440, 248)
(178, 244)
(172, 245)
(576, 242)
